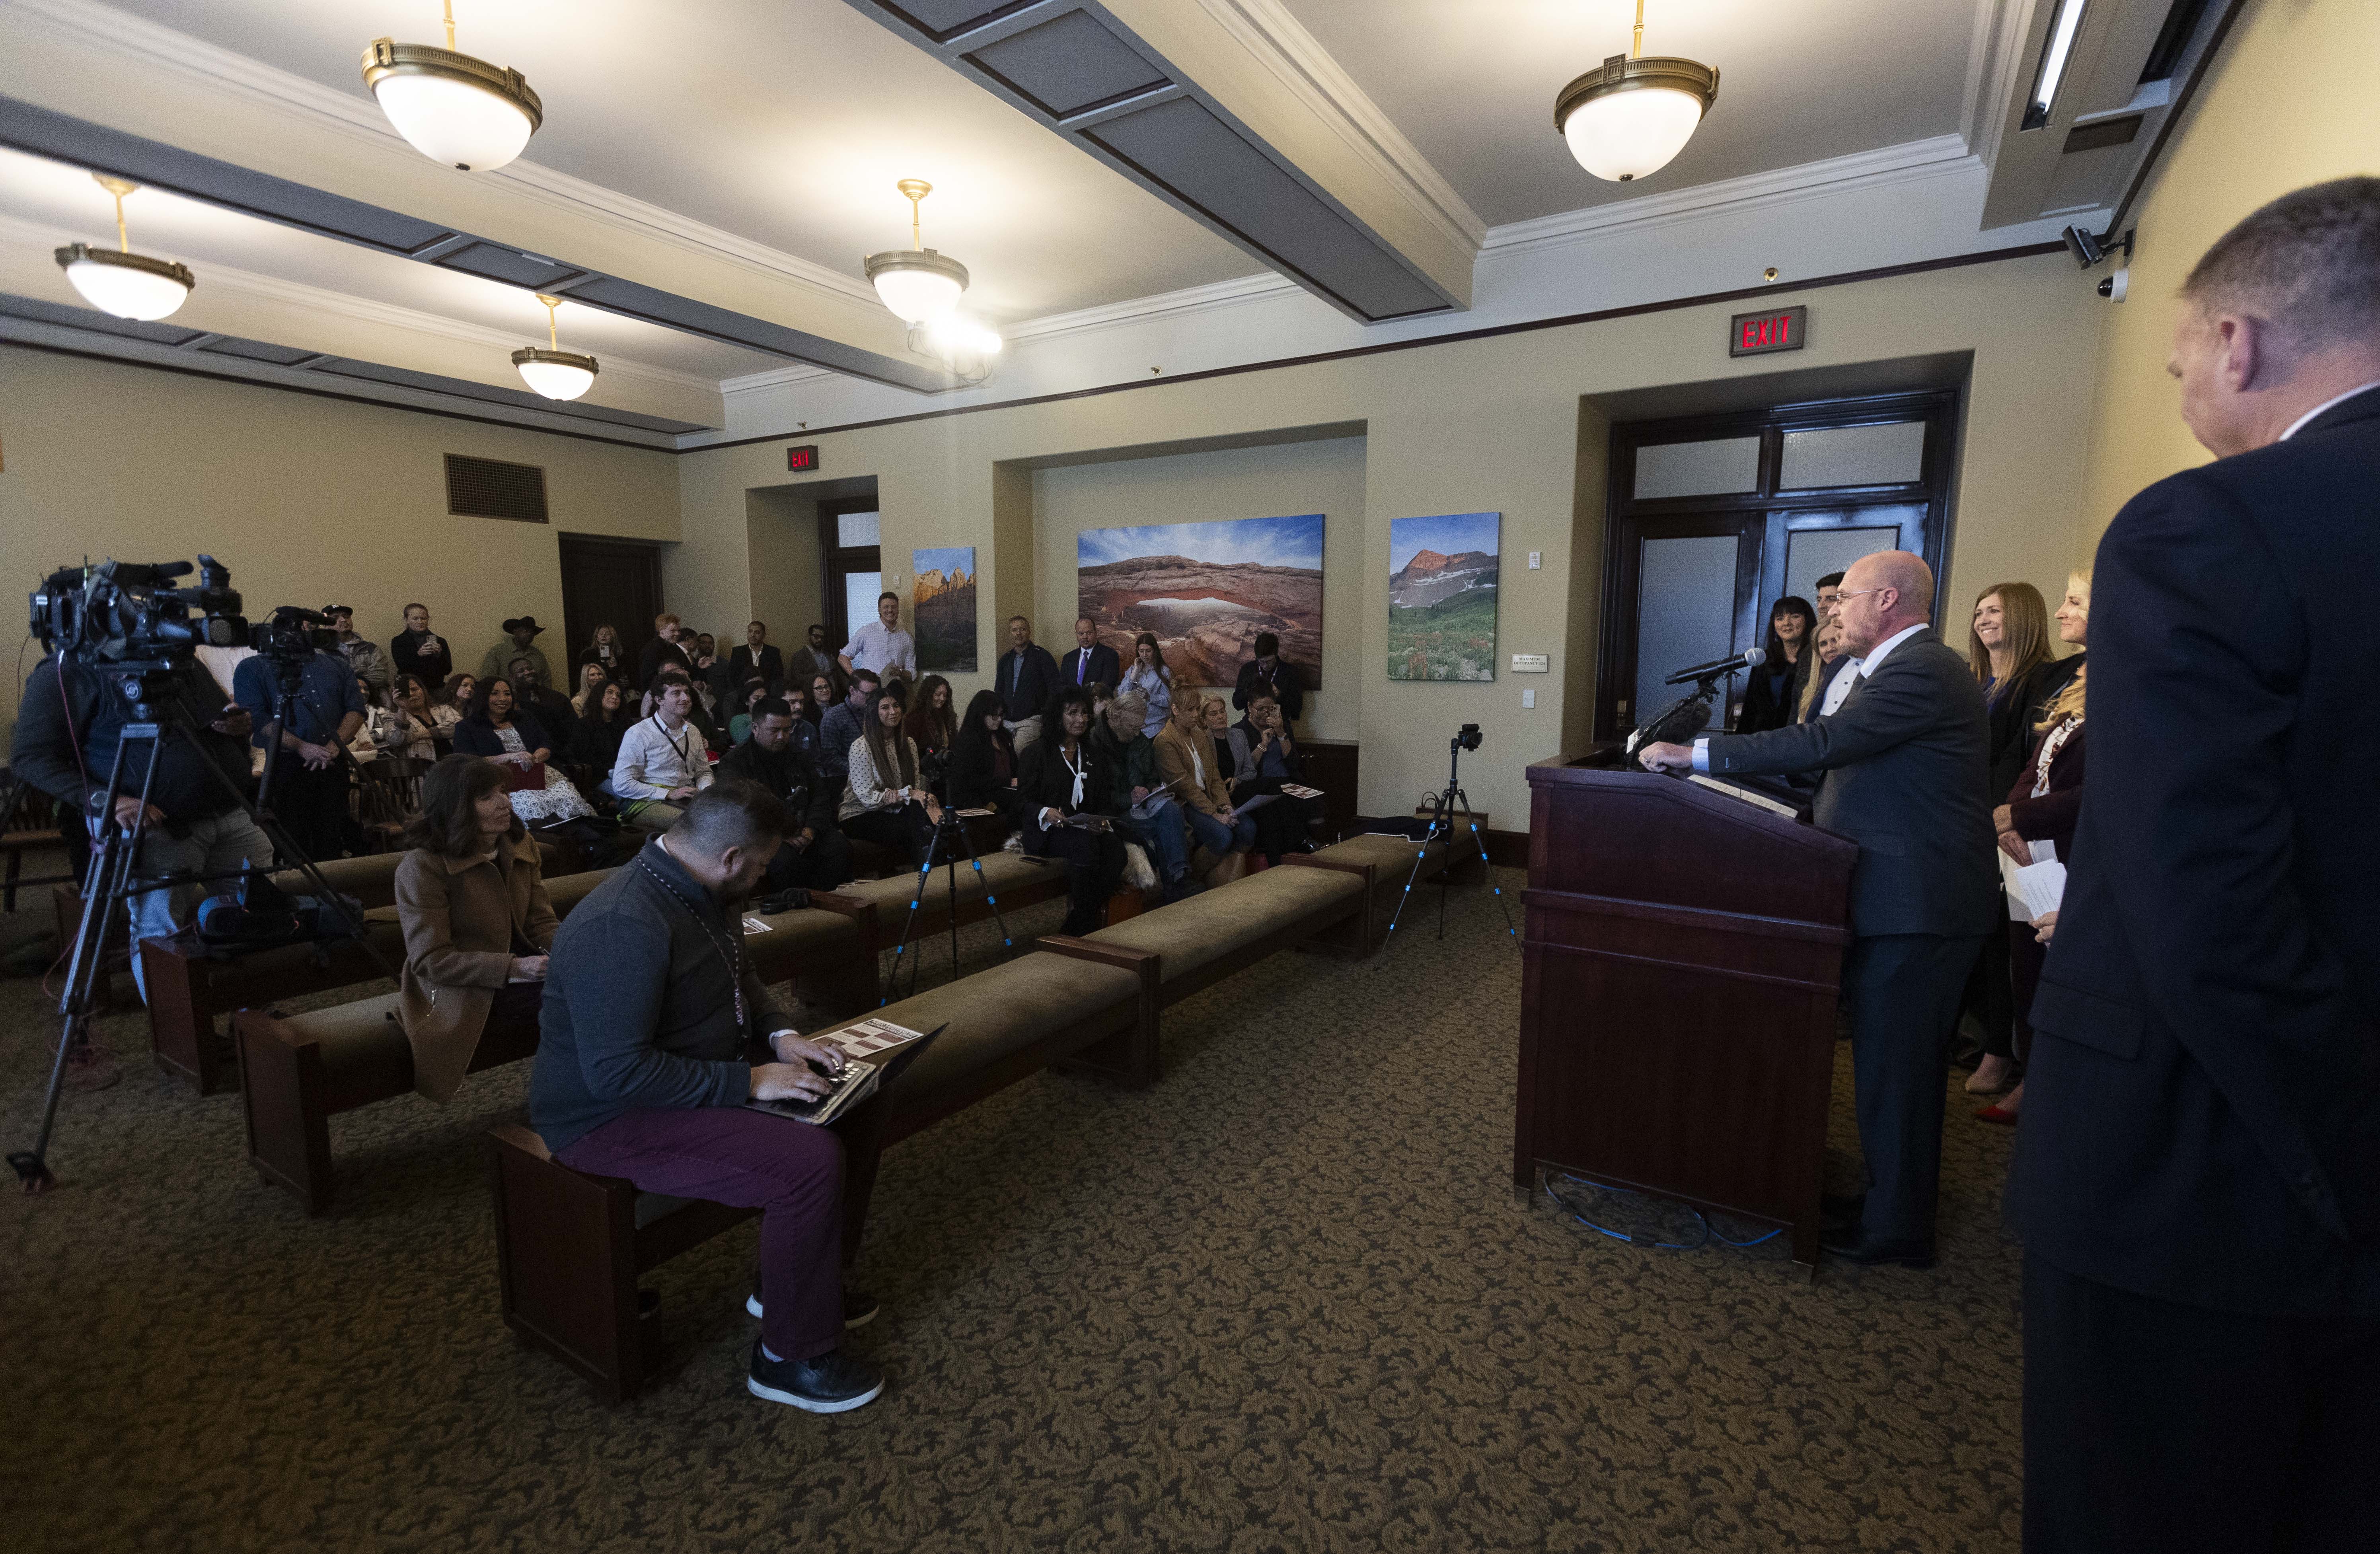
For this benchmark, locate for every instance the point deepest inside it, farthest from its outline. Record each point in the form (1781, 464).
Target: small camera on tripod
(1467, 737)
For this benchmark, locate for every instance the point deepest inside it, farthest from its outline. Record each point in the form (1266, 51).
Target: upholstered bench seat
(1014, 881)
(1226, 923)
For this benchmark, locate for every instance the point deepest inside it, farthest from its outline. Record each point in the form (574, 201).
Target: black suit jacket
(1104, 665)
(1282, 682)
(1043, 781)
(1904, 763)
(2202, 1118)
(770, 666)
(2013, 719)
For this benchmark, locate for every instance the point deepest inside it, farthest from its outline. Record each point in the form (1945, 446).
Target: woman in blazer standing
(470, 897)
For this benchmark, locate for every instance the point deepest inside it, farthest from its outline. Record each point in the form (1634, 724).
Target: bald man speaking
(1905, 760)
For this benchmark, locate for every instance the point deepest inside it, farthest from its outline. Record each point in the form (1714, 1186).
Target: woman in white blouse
(885, 802)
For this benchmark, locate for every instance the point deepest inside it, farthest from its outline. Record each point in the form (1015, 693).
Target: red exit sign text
(803, 457)
(1758, 334)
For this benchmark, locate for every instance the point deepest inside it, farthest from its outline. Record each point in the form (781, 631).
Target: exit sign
(1758, 334)
(803, 457)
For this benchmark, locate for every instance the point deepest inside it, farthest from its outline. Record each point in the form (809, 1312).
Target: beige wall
(1468, 426)
(2289, 103)
(1270, 482)
(309, 501)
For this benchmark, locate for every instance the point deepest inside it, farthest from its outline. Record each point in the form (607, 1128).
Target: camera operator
(310, 770)
(68, 725)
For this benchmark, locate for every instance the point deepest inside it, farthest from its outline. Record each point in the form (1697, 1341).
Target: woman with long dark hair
(1057, 779)
(414, 732)
(472, 899)
(983, 758)
(449, 705)
(884, 801)
(1776, 685)
(500, 730)
(1149, 676)
(609, 714)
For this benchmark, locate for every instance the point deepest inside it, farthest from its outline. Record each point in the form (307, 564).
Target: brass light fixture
(450, 107)
(918, 283)
(549, 370)
(1629, 116)
(118, 281)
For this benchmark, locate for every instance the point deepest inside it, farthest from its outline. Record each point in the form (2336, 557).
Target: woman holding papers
(2037, 821)
(1057, 776)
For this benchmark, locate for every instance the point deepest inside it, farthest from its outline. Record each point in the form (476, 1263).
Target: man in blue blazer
(2197, 1176)
(1904, 760)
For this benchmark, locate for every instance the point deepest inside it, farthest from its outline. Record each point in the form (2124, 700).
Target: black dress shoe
(1853, 1244)
(1844, 1207)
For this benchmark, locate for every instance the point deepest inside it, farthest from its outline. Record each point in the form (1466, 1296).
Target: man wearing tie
(1904, 760)
(1092, 662)
(2197, 1176)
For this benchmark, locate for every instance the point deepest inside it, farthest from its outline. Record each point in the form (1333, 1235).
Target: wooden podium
(1681, 959)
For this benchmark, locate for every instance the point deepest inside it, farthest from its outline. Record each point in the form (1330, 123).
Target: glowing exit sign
(1758, 334)
(803, 457)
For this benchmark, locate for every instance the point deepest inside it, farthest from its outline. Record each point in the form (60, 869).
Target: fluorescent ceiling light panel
(2053, 59)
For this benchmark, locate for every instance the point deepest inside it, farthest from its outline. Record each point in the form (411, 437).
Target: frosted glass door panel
(1852, 455)
(1685, 614)
(858, 529)
(1720, 467)
(1811, 554)
(859, 591)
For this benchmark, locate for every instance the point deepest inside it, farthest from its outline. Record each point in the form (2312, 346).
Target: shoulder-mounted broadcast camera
(126, 615)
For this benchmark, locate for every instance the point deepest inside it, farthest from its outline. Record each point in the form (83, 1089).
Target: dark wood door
(607, 582)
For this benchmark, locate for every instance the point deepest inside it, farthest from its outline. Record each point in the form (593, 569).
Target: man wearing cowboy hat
(517, 644)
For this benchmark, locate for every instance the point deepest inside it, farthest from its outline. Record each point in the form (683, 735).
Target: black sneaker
(858, 1310)
(833, 1383)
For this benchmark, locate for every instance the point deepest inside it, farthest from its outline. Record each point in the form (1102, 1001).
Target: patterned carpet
(1286, 1300)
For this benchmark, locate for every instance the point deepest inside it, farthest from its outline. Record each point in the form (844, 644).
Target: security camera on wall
(2113, 287)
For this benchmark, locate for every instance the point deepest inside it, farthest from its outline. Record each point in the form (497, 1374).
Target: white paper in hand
(2034, 889)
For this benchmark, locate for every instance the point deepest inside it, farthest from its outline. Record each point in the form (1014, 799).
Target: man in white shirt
(881, 645)
(662, 762)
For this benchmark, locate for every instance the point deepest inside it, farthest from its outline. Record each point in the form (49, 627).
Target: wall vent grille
(488, 487)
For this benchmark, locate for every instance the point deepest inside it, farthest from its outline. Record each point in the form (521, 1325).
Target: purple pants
(790, 1172)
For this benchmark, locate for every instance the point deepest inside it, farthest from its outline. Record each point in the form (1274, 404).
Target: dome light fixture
(918, 283)
(450, 107)
(118, 281)
(1629, 116)
(549, 370)
(970, 350)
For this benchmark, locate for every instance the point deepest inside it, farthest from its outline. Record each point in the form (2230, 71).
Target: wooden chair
(30, 821)
(391, 795)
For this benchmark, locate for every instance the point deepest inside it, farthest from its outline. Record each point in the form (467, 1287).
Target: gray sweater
(639, 1006)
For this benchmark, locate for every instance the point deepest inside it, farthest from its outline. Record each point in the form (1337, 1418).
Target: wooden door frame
(634, 635)
(837, 560)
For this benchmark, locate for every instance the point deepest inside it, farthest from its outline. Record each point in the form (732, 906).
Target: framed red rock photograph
(1208, 590)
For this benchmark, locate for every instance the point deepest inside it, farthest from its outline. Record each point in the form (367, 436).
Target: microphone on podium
(1751, 658)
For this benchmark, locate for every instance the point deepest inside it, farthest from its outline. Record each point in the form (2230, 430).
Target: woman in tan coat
(472, 899)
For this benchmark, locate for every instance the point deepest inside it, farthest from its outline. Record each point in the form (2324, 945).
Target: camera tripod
(948, 844)
(1443, 807)
(109, 882)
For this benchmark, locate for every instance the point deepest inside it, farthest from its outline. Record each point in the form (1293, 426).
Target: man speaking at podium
(1904, 760)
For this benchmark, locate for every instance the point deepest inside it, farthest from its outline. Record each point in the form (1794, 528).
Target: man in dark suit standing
(1025, 678)
(2197, 1176)
(1093, 661)
(1904, 762)
(755, 658)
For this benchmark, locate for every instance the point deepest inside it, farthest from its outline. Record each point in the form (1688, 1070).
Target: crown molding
(1278, 41)
(1937, 156)
(1992, 57)
(775, 378)
(115, 34)
(1208, 299)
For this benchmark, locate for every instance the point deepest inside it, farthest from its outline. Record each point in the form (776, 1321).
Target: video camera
(126, 615)
(290, 634)
(1467, 737)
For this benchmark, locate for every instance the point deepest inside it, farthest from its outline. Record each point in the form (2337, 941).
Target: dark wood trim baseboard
(1507, 849)
(2026, 250)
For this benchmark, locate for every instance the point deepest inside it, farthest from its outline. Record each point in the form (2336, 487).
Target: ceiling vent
(489, 488)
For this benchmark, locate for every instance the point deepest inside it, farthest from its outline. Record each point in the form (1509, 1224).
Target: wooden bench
(297, 1071)
(32, 822)
(570, 1246)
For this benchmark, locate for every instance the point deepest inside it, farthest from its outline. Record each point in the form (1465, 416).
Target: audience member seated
(983, 759)
(1264, 756)
(755, 691)
(401, 725)
(310, 778)
(418, 650)
(592, 677)
(661, 761)
(822, 696)
(1269, 671)
(933, 722)
(602, 726)
(520, 642)
(842, 726)
(644, 1067)
(883, 801)
(1775, 688)
(552, 709)
(1216, 719)
(803, 665)
(2042, 805)
(815, 856)
(1058, 778)
(606, 650)
(1186, 758)
(805, 720)
(663, 652)
(713, 738)
(1129, 792)
(757, 658)
(449, 705)
(471, 900)
(712, 670)
(1153, 680)
(501, 730)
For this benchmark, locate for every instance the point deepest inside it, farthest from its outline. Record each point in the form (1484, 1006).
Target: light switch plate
(1534, 559)
(1529, 698)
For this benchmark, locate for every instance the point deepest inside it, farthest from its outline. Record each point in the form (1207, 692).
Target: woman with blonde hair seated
(470, 897)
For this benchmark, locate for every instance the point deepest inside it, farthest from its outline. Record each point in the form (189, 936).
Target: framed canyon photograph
(941, 601)
(1442, 597)
(1207, 591)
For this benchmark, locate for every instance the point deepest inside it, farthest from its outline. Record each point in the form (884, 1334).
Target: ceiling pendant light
(1629, 116)
(453, 108)
(549, 370)
(918, 283)
(129, 285)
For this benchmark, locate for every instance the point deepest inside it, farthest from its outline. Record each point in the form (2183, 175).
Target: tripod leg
(1414, 878)
(1485, 869)
(908, 925)
(989, 899)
